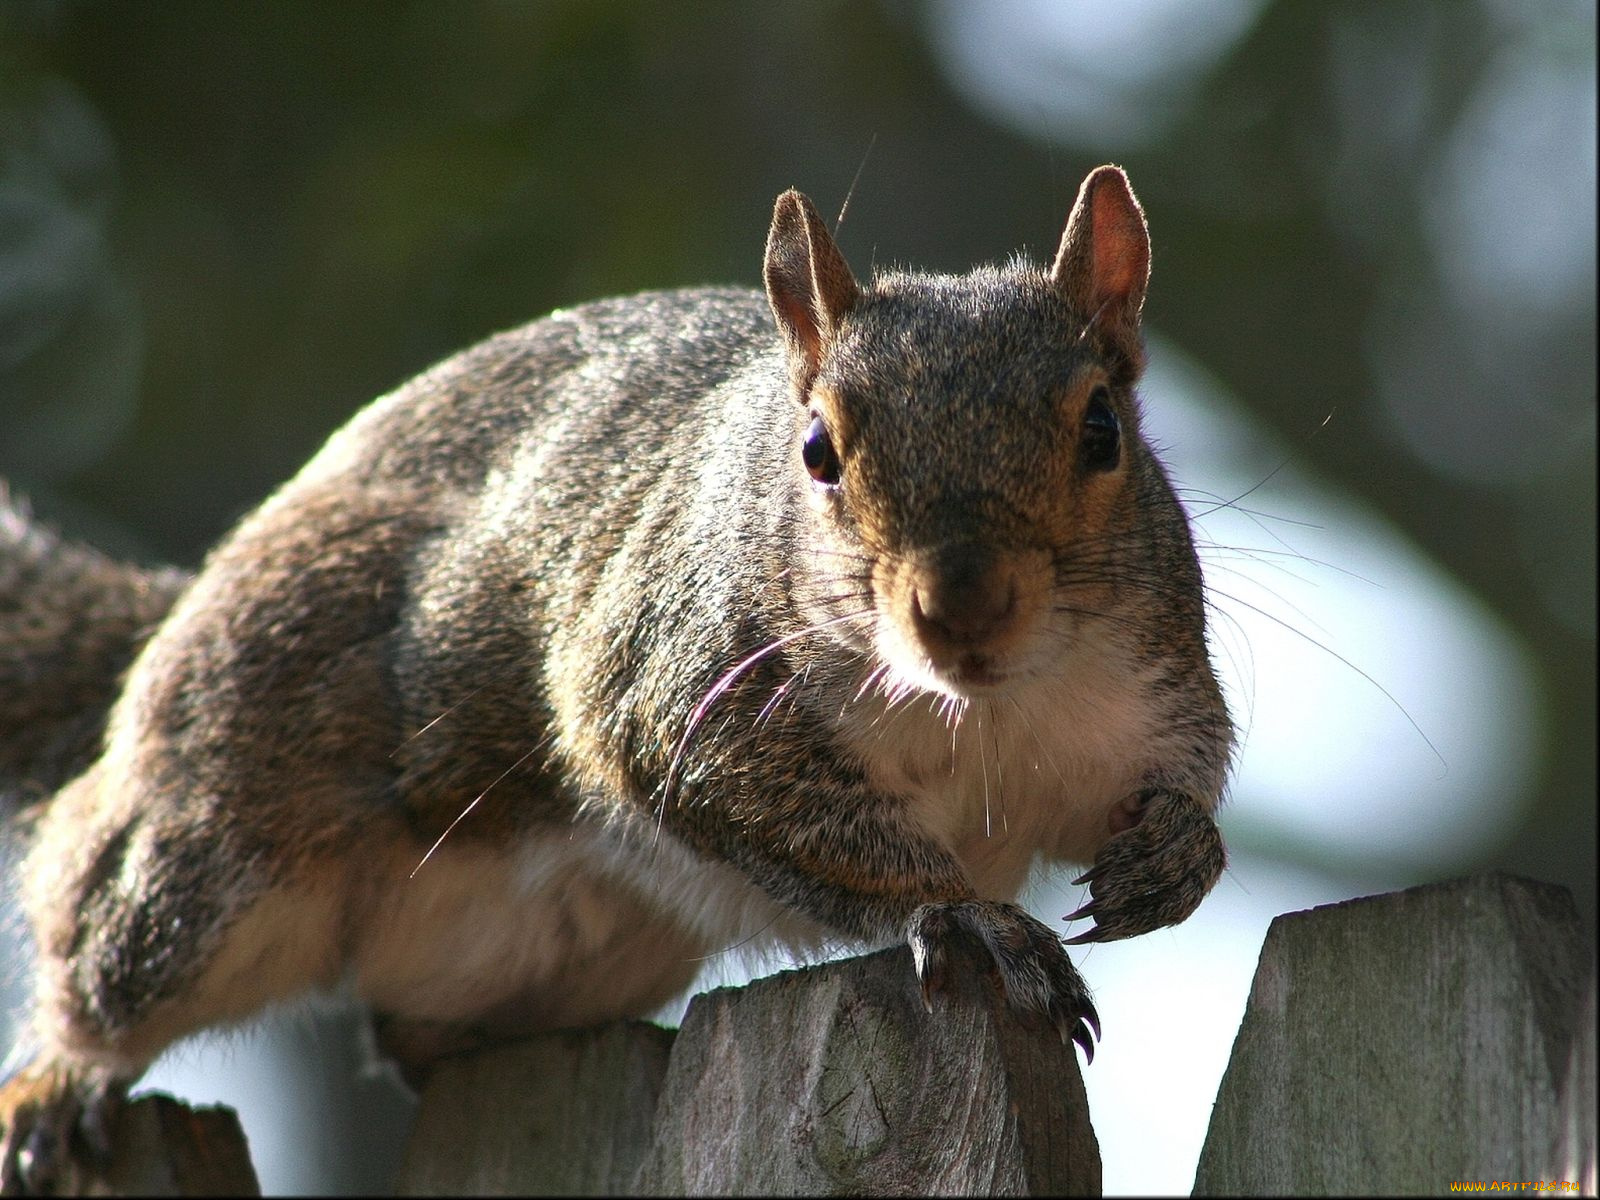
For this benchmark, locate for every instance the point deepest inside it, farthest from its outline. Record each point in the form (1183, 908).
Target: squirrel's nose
(963, 598)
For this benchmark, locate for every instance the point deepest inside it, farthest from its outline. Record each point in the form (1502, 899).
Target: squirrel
(638, 631)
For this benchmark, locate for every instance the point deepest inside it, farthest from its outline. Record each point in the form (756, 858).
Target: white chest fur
(1031, 772)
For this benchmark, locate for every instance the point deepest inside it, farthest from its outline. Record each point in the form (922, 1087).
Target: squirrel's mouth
(970, 676)
(960, 672)
(976, 673)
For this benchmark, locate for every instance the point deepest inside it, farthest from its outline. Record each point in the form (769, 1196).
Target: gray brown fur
(471, 676)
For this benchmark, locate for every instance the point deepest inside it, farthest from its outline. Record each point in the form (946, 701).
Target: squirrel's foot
(50, 1118)
(1039, 979)
(1154, 873)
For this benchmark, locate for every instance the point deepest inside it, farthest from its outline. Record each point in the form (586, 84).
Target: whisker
(983, 773)
(496, 677)
(1273, 592)
(850, 195)
(461, 816)
(1027, 723)
(771, 705)
(1254, 487)
(999, 772)
(721, 686)
(1263, 555)
(733, 946)
(1257, 515)
(1387, 694)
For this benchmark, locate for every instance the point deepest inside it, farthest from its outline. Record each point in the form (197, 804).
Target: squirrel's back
(607, 368)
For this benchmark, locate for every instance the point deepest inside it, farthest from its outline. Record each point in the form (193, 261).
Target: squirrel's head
(969, 444)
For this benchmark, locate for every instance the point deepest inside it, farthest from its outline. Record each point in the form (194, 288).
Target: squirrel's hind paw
(51, 1117)
(1155, 873)
(1032, 966)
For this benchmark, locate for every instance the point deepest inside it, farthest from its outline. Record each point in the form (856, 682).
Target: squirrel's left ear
(1103, 264)
(809, 284)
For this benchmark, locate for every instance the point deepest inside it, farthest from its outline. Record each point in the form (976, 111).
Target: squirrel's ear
(1103, 264)
(809, 285)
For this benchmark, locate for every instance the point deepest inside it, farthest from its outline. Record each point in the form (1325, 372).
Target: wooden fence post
(163, 1147)
(1394, 1044)
(567, 1114)
(832, 1079)
(1401, 1043)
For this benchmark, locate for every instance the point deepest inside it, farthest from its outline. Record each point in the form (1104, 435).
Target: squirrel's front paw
(1155, 873)
(49, 1118)
(1038, 977)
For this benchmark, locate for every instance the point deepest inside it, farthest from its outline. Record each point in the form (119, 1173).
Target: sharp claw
(1088, 876)
(1090, 1018)
(1094, 934)
(1083, 910)
(930, 978)
(923, 961)
(1080, 1035)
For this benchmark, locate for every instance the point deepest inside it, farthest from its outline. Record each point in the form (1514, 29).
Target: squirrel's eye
(1100, 444)
(817, 453)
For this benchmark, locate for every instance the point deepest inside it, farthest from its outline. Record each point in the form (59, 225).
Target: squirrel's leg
(195, 873)
(854, 858)
(200, 869)
(1156, 871)
(151, 921)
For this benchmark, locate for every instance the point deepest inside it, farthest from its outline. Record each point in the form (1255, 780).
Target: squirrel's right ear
(1103, 264)
(809, 284)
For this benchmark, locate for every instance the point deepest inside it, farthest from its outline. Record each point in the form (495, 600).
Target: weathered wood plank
(1394, 1044)
(163, 1147)
(834, 1080)
(568, 1114)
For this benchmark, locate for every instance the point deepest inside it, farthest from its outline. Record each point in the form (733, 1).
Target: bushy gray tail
(71, 620)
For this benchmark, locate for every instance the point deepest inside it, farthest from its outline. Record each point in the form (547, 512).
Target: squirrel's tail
(71, 620)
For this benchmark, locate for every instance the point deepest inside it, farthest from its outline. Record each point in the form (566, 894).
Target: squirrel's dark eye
(1100, 444)
(817, 453)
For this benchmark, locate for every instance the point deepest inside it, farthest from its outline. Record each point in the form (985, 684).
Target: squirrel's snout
(966, 599)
